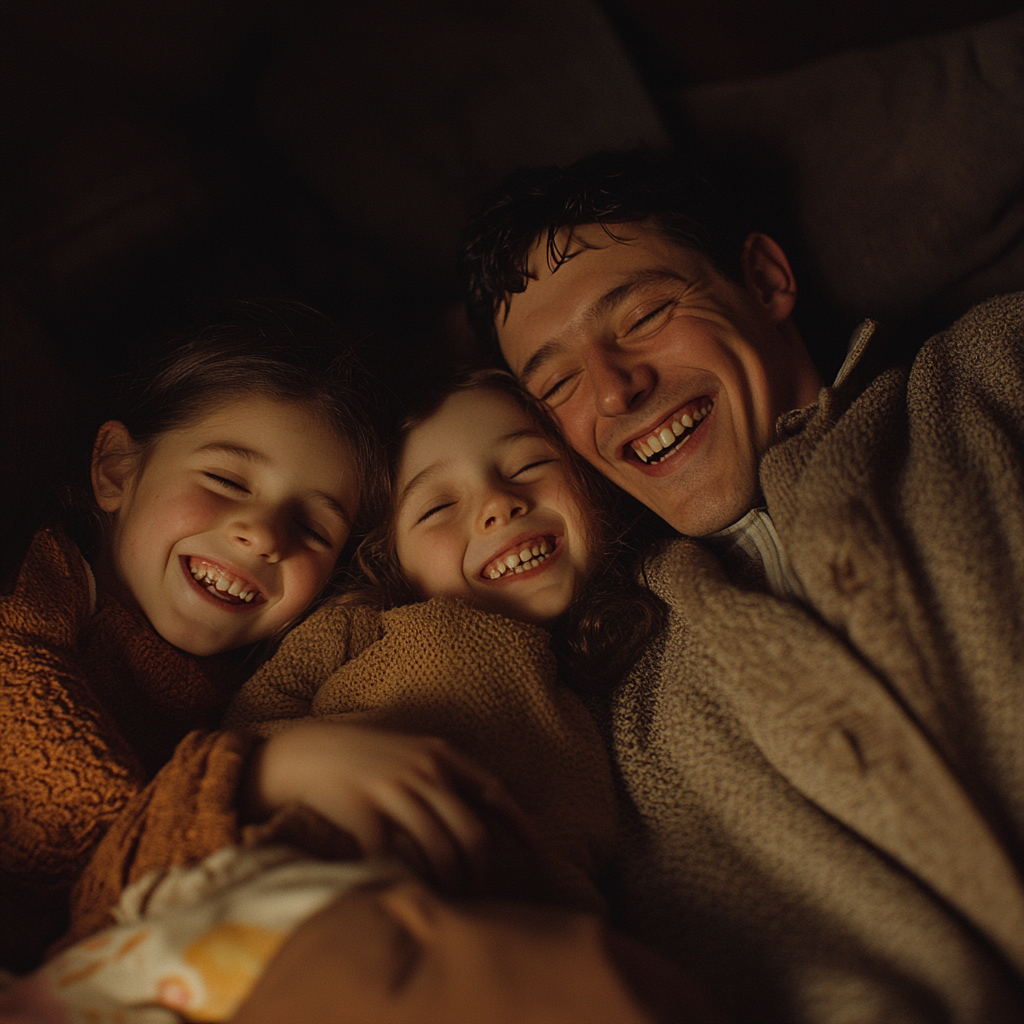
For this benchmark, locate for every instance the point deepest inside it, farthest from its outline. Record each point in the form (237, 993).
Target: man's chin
(699, 515)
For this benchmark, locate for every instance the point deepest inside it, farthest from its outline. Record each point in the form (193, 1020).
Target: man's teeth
(219, 582)
(669, 436)
(528, 557)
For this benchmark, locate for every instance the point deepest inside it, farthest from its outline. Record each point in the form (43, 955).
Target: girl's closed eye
(314, 534)
(433, 511)
(229, 485)
(532, 465)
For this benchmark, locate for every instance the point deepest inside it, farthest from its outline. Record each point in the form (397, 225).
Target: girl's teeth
(687, 421)
(665, 436)
(214, 581)
(528, 558)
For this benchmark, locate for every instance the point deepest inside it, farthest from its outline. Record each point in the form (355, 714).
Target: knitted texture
(824, 799)
(482, 682)
(186, 813)
(90, 706)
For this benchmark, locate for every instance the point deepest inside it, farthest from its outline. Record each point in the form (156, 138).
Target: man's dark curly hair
(642, 185)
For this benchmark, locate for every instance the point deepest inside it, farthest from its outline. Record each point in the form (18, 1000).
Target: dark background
(161, 156)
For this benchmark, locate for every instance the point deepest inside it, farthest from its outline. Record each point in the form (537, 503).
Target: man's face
(664, 374)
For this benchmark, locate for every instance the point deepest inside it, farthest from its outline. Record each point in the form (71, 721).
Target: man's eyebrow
(227, 448)
(600, 307)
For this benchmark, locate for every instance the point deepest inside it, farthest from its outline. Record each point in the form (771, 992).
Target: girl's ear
(768, 277)
(113, 461)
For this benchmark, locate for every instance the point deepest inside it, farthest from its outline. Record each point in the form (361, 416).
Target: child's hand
(370, 782)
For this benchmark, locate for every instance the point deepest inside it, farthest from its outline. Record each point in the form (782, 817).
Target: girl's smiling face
(484, 511)
(231, 525)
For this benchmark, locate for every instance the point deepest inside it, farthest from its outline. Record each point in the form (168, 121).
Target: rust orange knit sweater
(91, 706)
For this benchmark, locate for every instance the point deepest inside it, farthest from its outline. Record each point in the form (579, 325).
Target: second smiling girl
(495, 577)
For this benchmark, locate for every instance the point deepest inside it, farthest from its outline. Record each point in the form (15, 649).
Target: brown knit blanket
(482, 682)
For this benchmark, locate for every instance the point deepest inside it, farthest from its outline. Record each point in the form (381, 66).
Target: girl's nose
(258, 535)
(500, 508)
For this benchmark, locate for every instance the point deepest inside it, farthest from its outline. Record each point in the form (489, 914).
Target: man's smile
(654, 446)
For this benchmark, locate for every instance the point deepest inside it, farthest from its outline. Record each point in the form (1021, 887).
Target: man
(822, 758)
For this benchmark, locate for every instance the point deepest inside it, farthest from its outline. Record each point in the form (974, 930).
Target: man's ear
(113, 463)
(768, 276)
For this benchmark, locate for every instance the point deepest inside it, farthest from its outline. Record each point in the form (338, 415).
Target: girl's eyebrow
(334, 506)
(227, 448)
(421, 478)
(258, 457)
(424, 475)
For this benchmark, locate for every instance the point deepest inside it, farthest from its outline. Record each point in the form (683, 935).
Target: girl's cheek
(309, 576)
(187, 511)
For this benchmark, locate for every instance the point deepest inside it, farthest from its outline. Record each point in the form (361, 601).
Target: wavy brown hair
(262, 349)
(655, 187)
(612, 618)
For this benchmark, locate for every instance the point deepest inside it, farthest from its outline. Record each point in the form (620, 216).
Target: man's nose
(500, 507)
(620, 383)
(260, 533)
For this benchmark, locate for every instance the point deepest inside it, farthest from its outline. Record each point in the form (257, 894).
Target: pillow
(400, 114)
(901, 168)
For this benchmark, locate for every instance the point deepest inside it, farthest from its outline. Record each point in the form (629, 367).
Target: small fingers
(465, 828)
(479, 782)
(418, 815)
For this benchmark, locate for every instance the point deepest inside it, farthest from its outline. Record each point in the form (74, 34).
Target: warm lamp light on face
(485, 512)
(664, 374)
(231, 525)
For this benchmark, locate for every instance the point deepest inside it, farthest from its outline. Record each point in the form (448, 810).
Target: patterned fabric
(754, 537)
(191, 943)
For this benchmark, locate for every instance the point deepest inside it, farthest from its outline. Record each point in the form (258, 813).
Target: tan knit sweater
(826, 800)
(485, 683)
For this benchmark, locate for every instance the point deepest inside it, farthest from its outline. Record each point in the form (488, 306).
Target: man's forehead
(548, 254)
(591, 268)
